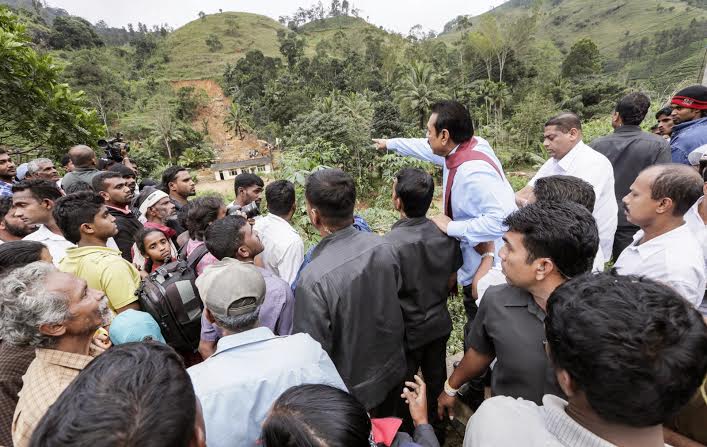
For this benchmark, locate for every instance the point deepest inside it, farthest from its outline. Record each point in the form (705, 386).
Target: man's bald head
(680, 183)
(82, 156)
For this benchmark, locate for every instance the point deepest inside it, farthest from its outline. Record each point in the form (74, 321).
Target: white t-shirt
(283, 247)
(55, 243)
(503, 421)
(674, 258)
(694, 221)
(584, 162)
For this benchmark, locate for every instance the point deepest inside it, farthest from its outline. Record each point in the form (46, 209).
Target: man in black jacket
(347, 296)
(115, 191)
(429, 260)
(630, 150)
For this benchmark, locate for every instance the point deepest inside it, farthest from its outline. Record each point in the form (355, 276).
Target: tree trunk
(169, 149)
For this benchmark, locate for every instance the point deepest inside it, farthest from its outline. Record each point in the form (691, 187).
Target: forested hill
(641, 39)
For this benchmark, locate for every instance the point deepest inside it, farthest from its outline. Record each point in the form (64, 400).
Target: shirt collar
(233, 341)
(410, 221)
(525, 299)
(64, 359)
(568, 159)
(628, 128)
(681, 126)
(453, 150)
(125, 210)
(337, 235)
(564, 428)
(48, 234)
(656, 244)
(279, 220)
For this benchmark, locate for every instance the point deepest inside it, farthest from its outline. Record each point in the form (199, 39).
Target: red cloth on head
(385, 429)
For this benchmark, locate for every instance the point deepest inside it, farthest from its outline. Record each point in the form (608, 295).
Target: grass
(190, 58)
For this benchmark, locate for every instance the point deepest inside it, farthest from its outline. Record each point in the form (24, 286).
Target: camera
(251, 210)
(114, 147)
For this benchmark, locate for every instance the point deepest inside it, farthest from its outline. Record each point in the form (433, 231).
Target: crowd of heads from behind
(134, 313)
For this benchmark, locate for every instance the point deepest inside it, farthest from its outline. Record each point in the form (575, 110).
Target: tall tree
(236, 121)
(582, 60)
(165, 128)
(418, 89)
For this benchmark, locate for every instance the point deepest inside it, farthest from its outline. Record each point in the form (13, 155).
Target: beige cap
(230, 288)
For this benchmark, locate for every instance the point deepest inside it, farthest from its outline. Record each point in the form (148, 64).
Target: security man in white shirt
(570, 156)
(665, 249)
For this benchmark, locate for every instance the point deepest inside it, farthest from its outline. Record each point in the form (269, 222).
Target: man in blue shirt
(251, 367)
(7, 174)
(690, 118)
(477, 195)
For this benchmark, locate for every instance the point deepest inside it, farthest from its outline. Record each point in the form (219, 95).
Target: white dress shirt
(674, 258)
(503, 421)
(698, 226)
(584, 162)
(481, 200)
(283, 247)
(55, 243)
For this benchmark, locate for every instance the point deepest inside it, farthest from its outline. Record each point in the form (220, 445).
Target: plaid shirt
(47, 376)
(14, 361)
(5, 189)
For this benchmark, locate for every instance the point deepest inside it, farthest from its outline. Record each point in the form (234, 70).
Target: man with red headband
(690, 117)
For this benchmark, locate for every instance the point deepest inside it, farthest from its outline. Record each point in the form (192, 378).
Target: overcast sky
(398, 15)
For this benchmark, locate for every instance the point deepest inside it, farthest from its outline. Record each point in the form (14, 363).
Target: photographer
(248, 188)
(84, 160)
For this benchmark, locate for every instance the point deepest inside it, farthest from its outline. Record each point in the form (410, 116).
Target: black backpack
(170, 295)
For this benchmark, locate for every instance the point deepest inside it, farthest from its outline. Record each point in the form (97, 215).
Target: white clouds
(397, 15)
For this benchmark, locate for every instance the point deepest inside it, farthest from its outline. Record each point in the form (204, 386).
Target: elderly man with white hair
(42, 168)
(57, 314)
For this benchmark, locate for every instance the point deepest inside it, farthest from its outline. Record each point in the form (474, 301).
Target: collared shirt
(14, 361)
(504, 421)
(283, 247)
(104, 269)
(347, 300)
(55, 243)
(428, 258)
(584, 162)
(275, 313)
(239, 383)
(79, 175)
(481, 200)
(674, 258)
(510, 327)
(686, 137)
(630, 150)
(5, 189)
(47, 376)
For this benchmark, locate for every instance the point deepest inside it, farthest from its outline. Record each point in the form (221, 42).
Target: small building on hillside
(229, 169)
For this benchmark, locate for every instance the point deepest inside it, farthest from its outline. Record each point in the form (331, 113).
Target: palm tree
(418, 89)
(236, 121)
(166, 129)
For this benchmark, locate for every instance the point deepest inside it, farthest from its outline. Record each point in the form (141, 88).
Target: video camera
(114, 147)
(251, 210)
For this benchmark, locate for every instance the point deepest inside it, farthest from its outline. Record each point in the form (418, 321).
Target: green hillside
(191, 58)
(612, 25)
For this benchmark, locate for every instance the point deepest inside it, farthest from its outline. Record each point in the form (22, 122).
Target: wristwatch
(488, 254)
(452, 392)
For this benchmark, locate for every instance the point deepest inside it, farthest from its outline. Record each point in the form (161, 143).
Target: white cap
(695, 156)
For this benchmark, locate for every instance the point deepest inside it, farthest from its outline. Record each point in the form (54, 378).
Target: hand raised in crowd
(100, 343)
(380, 143)
(415, 395)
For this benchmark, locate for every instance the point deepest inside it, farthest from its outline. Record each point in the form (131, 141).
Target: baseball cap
(134, 325)
(232, 288)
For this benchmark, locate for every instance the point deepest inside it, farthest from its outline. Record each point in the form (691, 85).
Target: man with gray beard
(57, 314)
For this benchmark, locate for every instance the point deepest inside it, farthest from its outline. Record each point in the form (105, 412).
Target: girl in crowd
(154, 247)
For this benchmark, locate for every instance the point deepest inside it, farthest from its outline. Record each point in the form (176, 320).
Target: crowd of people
(583, 297)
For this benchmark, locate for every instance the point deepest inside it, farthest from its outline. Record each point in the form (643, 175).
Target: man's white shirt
(283, 247)
(697, 225)
(55, 243)
(584, 162)
(674, 258)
